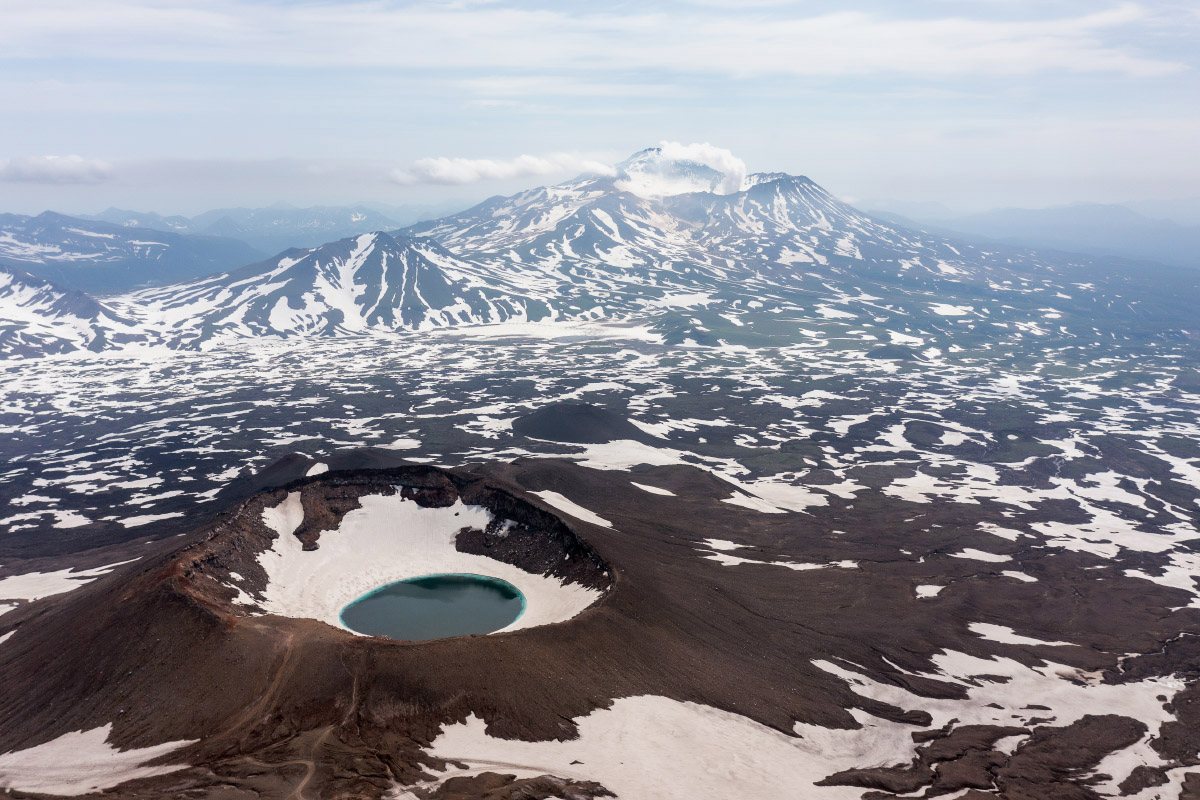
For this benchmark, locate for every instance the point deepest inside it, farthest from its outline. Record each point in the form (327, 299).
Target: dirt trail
(254, 713)
(311, 763)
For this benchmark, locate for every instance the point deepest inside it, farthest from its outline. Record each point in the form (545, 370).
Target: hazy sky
(182, 106)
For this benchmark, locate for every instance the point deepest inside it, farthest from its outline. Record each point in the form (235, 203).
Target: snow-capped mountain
(673, 243)
(102, 257)
(653, 173)
(38, 317)
(679, 233)
(372, 282)
(143, 219)
(595, 239)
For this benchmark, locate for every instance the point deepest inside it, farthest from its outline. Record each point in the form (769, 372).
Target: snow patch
(655, 747)
(36, 585)
(653, 489)
(1006, 635)
(574, 509)
(388, 539)
(82, 762)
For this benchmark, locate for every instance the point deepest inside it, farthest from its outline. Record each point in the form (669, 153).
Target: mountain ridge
(97, 256)
(39, 317)
(267, 230)
(1096, 229)
(372, 282)
(588, 249)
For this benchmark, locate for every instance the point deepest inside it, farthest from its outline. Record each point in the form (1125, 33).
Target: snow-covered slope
(372, 282)
(781, 221)
(659, 227)
(665, 241)
(37, 317)
(102, 257)
(639, 243)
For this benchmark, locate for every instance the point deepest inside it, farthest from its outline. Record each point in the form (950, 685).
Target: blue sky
(182, 106)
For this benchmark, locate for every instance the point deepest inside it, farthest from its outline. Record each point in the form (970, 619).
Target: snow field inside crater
(391, 539)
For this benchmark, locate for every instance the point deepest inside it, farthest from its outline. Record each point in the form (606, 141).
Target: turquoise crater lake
(435, 607)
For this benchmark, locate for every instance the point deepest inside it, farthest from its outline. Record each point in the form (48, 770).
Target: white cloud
(560, 85)
(718, 158)
(472, 170)
(768, 40)
(54, 169)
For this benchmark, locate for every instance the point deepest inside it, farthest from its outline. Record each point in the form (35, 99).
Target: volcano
(217, 663)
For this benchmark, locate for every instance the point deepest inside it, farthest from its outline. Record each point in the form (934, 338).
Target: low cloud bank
(54, 169)
(459, 171)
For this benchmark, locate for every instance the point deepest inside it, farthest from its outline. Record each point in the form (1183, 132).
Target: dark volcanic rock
(493, 786)
(158, 650)
(952, 761)
(1047, 764)
(1187, 380)
(895, 352)
(1143, 777)
(579, 423)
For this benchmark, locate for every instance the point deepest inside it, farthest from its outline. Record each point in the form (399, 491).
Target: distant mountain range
(120, 250)
(674, 245)
(268, 230)
(98, 256)
(1093, 229)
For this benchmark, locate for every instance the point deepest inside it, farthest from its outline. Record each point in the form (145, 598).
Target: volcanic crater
(215, 663)
(311, 548)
